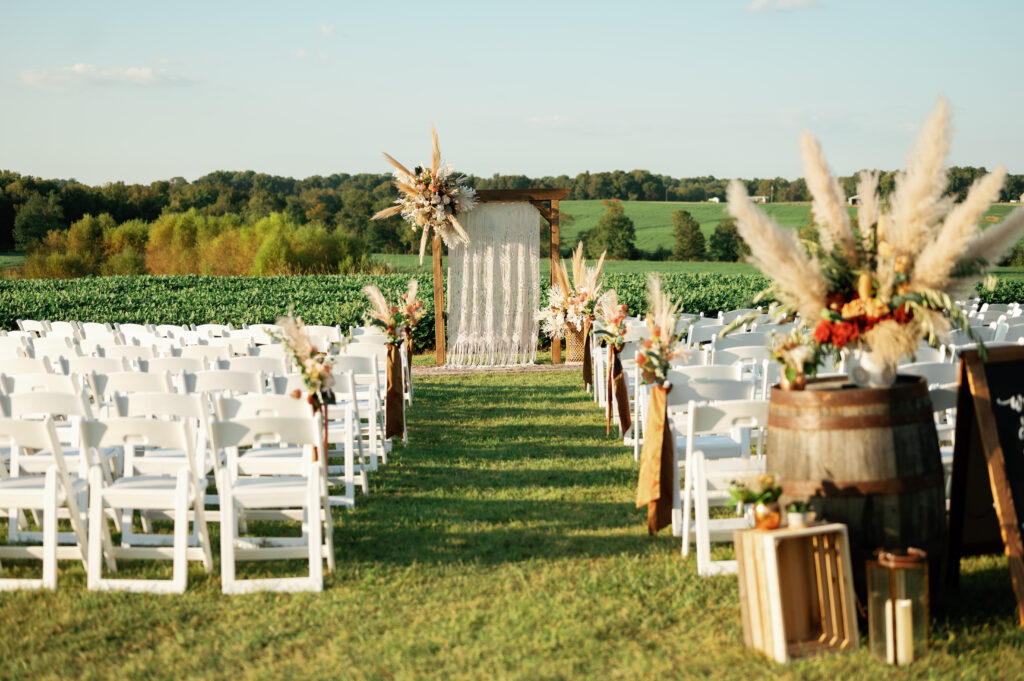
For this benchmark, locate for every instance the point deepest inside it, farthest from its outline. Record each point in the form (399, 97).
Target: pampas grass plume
(827, 205)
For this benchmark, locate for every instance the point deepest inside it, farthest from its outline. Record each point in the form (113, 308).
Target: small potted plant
(799, 514)
(766, 512)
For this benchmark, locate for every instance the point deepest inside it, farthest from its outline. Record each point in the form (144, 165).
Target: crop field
(653, 219)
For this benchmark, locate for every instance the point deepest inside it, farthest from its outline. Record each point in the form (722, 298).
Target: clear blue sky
(139, 91)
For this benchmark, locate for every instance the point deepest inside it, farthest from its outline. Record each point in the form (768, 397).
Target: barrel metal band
(816, 421)
(850, 489)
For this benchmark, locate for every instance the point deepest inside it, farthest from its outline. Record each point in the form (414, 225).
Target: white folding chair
(13, 366)
(181, 493)
(224, 382)
(16, 347)
(44, 494)
(302, 490)
(83, 366)
(701, 467)
(936, 373)
(269, 366)
(208, 353)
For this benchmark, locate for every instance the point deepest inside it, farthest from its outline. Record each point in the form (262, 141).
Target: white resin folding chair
(273, 350)
(13, 366)
(370, 402)
(261, 334)
(37, 327)
(168, 330)
(67, 329)
(130, 329)
(750, 358)
(224, 382)
(181, 493)
(135, 354)
(42, 494)
(104, 386)
(15, 347)
(936, 373)
(701, 467)
(702, 333)
(269, 366)
(208, 353)
(237, 347)
(701, 391)
(55, 347)
(303, 491)
(83, 366)
(173, 365)
(30, 383)
(213, 330)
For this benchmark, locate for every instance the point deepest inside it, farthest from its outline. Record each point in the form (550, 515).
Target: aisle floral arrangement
(412, 308)
(881, 285)
(613, 319)
(663, 343)
(571, 303)
(311, 363)
(389, 318)
(431, 199)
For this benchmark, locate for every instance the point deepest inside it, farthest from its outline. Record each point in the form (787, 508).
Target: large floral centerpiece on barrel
(431, 198)
(880, 286)
(570, 309)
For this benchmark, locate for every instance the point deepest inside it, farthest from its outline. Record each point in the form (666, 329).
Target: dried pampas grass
(607, 306)
(379, 308)
(870, 206)
(827, 206)
(661, 312)
(917, 202)
(934, 266)
(890, 341)
(294, 332)
(777, 252)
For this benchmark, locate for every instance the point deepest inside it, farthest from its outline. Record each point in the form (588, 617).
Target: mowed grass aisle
(501, 544)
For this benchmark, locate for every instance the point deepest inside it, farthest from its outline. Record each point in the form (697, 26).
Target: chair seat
(713, 446)
(27, 491)
(273, 492)
(142, 491)
(38, 462)
(270, 460)
(164, 462)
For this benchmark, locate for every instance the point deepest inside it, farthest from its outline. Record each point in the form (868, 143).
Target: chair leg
(687, 486)
(93, 567)
(315, 539)
(50, 530)
(701, 510)
(227, 536)
(179, 562)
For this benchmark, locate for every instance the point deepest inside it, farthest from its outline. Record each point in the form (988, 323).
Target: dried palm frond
(435, 159)
(608, 307)
(991, 246)
(460, 233)
(579, 267)
(295, 336)
(777, 252)
(917, 202)
(827, 205)
(410, 294)
(934, 266)
(386, 213)
(661, 315)
(593, 276)
(870, 206)
(398, 166)
(560, 278)
(379, 308)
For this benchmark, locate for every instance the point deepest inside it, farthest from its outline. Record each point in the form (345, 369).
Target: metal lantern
(898, 619)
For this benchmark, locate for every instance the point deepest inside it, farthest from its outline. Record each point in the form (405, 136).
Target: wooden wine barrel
(866, 457)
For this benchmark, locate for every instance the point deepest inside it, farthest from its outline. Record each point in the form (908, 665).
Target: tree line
(31, 207)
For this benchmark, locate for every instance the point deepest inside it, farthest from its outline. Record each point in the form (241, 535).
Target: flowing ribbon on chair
(588, 362)
(408, 358)
(617, 392)
(394, 413)
(656, 460)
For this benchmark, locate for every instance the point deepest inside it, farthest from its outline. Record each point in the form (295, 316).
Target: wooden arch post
(546, 203)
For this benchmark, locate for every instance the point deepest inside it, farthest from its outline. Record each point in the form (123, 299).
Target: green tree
(689, 241)
(725, 243)
(614, 233)
(36, 217)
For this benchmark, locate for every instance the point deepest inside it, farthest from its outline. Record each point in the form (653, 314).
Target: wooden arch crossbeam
(546, 203)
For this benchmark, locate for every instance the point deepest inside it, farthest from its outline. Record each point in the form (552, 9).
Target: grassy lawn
(11, 259)
(502, 543)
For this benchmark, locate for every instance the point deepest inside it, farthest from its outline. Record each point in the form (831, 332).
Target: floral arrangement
(382, 314)
(798, 355)
(311, 363)
(613, 319)
(663, 343)
(886, 283)
(431, 198)
(412, 307)
(742, 491)
(571, 303)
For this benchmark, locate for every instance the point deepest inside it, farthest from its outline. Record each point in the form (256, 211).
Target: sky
(143, 91)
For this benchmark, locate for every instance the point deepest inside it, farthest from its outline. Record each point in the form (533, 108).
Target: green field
(653, 219)
(410, 263)
(11, 259)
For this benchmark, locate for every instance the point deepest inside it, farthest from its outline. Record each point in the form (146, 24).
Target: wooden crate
(796, 590)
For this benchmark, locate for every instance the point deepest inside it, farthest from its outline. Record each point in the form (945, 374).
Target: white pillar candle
(890, 649)
(904, 631)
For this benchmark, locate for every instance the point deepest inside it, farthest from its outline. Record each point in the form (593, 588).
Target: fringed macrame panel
(494, 287)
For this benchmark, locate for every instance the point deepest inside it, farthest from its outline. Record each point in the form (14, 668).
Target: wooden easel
(539, 198)
(987, 496)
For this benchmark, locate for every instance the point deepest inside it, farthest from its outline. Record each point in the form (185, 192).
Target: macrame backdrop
(494, 287)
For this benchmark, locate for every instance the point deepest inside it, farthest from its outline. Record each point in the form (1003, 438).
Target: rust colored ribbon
(656, 460)
(408, 356)
(617, 392)
(394, 414)
(588, 362)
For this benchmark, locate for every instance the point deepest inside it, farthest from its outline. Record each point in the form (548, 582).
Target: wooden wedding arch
(546, 203)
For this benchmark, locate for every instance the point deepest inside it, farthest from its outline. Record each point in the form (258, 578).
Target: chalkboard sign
(987, 496)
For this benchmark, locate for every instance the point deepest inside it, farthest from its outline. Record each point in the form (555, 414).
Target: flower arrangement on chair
(664, 342)
(412, 311)
(880, 286)
(311, 363)
(394, 320)
(613, 319)
(431, 198)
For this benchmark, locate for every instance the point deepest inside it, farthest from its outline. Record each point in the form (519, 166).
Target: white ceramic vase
(866, 370)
